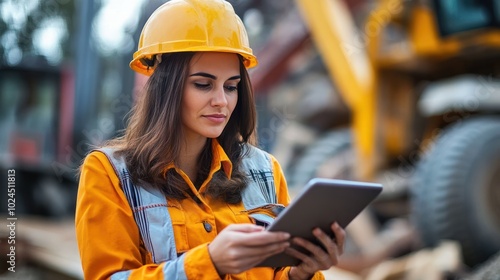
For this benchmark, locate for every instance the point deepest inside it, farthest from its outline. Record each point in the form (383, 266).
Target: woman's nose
(219, 98)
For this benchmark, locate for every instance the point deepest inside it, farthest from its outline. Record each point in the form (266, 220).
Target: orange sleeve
(107, 235)
(283, 275)
(109, 239)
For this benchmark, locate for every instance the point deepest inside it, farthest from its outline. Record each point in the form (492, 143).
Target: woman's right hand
(240, 247)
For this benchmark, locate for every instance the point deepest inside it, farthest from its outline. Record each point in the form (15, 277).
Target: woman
(183, 194)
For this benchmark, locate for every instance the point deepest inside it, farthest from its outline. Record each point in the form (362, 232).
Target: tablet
(319, 204)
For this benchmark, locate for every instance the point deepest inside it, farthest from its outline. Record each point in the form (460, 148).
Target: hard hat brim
(249, 60)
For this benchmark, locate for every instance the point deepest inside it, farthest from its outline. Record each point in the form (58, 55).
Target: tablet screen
(319, 204)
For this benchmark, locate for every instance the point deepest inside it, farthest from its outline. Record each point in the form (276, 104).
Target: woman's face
(210, 94)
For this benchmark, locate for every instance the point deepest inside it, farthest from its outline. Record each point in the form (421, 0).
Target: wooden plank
(49, 243)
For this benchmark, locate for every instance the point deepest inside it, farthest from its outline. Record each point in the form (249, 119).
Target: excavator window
(458, 16)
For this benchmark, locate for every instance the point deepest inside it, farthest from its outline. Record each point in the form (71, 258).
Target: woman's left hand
(319, 258)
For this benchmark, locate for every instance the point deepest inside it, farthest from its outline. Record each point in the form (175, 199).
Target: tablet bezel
(320, 203)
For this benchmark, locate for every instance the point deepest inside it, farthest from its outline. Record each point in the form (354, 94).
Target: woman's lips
(216, 118)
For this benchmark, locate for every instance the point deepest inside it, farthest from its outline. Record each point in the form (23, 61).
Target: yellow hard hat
(192, 26)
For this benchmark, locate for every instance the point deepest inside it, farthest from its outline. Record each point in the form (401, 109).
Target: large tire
(327, 146)
(456, 189)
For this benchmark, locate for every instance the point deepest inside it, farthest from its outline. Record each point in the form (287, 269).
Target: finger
(322, 257)
(244, 228)
(330, 247)
(309, 246)
(264, 251)
(339, 237)
(249, 257)
(263, 238)
(253, 260)
(324, 238)
(308, 263)
(238, 256)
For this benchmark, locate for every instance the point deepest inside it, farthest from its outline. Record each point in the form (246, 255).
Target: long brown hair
(154, 134)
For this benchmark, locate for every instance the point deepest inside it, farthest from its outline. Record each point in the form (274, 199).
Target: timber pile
(48, 244)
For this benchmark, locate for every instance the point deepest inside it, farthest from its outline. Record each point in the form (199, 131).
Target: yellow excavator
(421, 81)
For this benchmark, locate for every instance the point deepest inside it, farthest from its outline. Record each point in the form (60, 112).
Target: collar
(219, 160)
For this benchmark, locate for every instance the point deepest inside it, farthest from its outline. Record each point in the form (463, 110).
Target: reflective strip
(171, 270)
(121, 275)
(150, 212)
(261, 189)
(175, 269)
(262, 219)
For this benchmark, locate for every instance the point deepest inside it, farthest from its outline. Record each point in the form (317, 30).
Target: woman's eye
(202, 86)
(231, 88)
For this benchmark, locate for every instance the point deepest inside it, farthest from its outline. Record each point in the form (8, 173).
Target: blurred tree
(35, 28)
